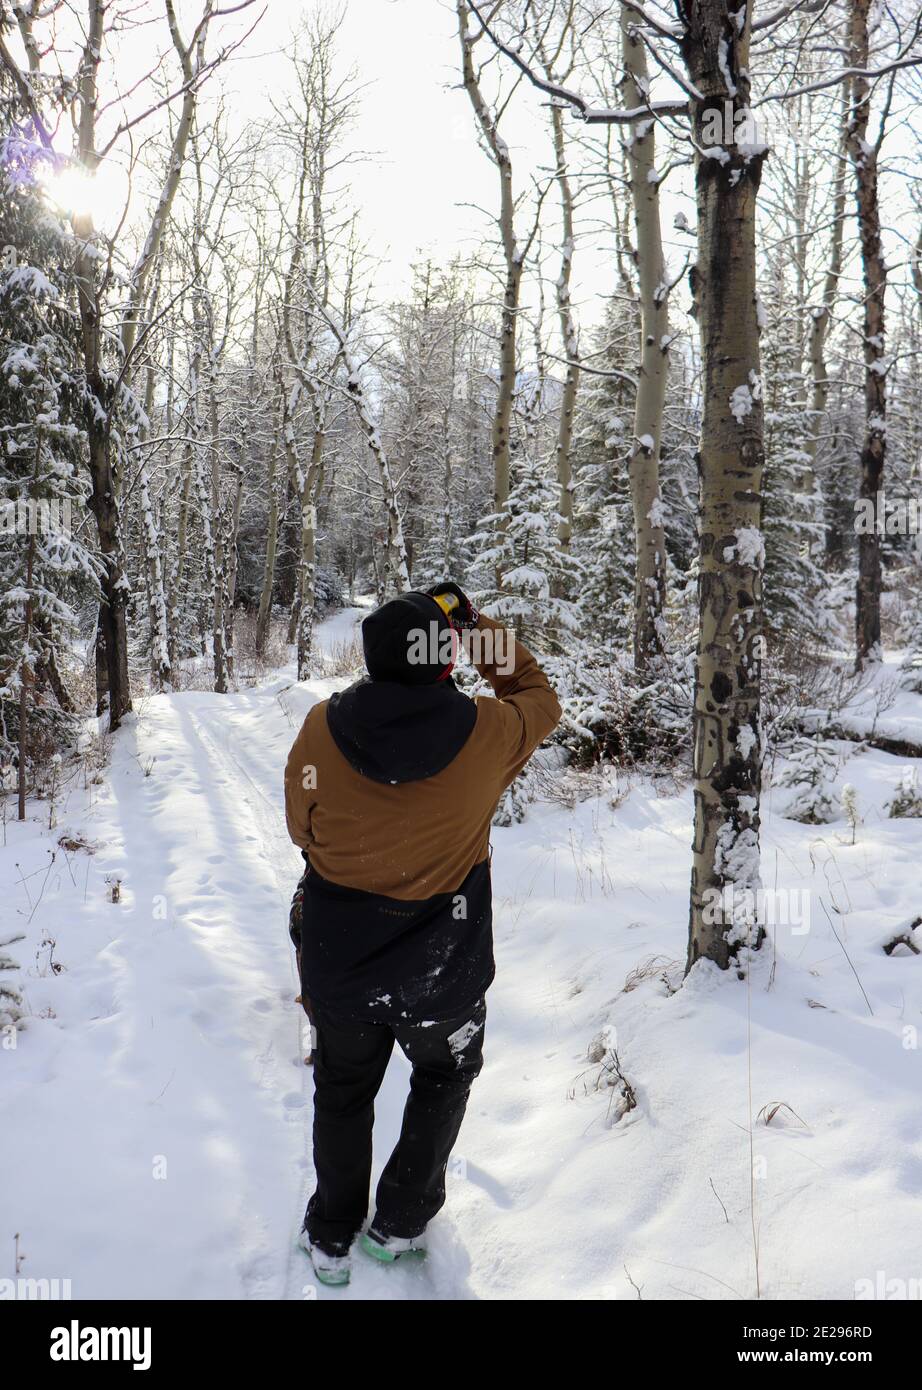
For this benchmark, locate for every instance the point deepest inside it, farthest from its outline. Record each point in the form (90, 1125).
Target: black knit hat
(391, 639)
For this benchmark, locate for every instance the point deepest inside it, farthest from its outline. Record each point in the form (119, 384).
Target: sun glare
(77, 193)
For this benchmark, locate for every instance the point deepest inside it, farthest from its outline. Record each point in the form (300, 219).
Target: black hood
(391, 732)
(390, 635)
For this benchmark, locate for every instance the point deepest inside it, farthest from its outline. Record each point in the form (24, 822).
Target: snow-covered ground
(155, 1112)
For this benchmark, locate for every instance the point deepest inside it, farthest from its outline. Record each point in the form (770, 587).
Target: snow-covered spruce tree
(679, 487)
(911, 668)
(536, 570)
(907, 799)
(612, 710)
(44, 568)
(836, 469)
(603, 527)
(909, 625)
(678, 468)
(812, 765)
(845, 512)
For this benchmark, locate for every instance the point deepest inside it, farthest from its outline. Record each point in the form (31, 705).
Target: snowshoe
(387, 1249)
(334, 1270)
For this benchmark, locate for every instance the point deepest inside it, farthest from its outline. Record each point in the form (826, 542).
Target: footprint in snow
(294, 1101)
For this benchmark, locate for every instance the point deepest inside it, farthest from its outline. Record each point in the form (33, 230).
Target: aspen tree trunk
(307, 597)
(873, 452)
(508, 362)
(26, 673)
(232, 561)
(447, 455)
(177, 570)
(142, 546)
(304, 635)
(447, 511)
(265, 598)
(202, 491)
(643, 465)
(568, 334)
(209, 568)
(218, 634)
(156, 600)
(726, 727)
(398, 559)
(380, 574)
(821, 315)
(306, 485)
(304, 599)
(533, 398)
(568, 330)
(115, 694)
(153, 564)
(499, 152)
(264, 609)
(297, 485)
(301, 630)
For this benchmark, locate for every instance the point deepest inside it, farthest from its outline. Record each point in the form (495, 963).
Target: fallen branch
(904, 939)
(899, 747)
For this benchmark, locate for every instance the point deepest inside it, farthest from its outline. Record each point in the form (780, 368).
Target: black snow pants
(350, 1060)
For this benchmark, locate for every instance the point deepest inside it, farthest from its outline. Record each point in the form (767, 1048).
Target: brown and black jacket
(390, 791)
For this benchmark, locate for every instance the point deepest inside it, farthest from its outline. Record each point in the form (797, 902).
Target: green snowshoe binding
(332, 1270)
(388, 1249)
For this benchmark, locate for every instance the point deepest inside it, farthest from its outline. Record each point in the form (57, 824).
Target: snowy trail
(228, 744)
(173, 1064)
(156, 1110)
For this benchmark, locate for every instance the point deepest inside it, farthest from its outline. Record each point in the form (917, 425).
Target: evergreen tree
(536, 572)
(812, 764)
(46, 571)
(603, 526)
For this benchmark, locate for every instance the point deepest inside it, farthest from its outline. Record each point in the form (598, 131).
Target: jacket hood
(391, 732)
(390, 637)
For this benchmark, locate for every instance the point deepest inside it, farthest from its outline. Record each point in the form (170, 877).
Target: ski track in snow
(173, 1039)
(187, 1007)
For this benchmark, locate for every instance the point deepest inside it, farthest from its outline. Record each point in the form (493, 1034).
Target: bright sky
(427, 187)
(431, 189)
(417, 192)
(417, 115)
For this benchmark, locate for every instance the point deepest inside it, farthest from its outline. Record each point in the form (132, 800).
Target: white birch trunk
(644, 461)
(727, 731)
